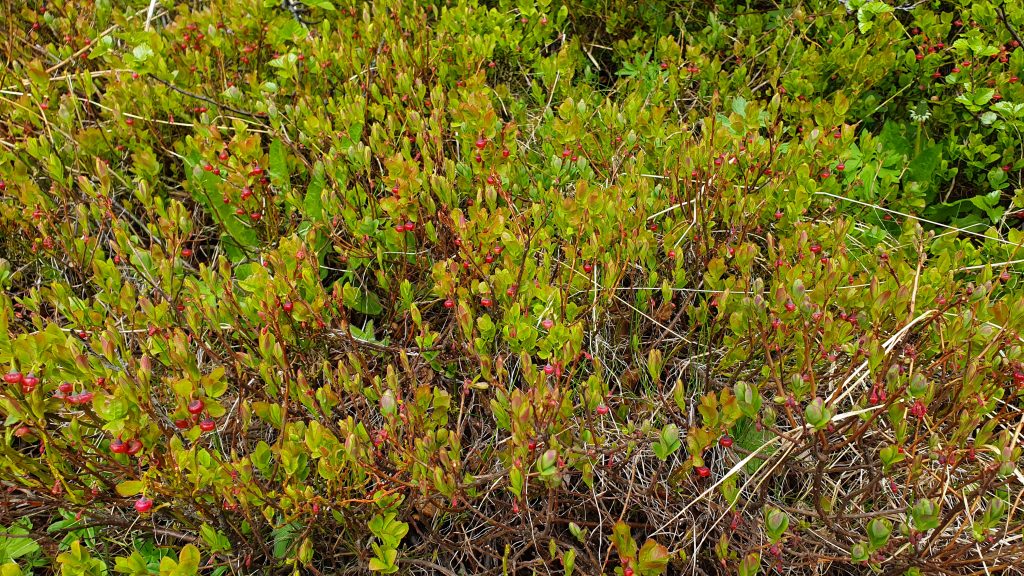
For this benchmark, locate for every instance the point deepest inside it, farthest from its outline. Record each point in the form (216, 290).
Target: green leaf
(278, 168)
(818, 415)
(623, 541)
(750, 565)
(925, 514)
(547, 464)
(130, 488)
(19, 546)
(739, 106)
(362, 301)
(283, 537)
(290, 29)
(568, 561)
(867, 13)
(879, 530)
(923, 166)
(775, 523)
(668, 443)
(653, 559)
(312, 205)
(142, 52)
(188, 559)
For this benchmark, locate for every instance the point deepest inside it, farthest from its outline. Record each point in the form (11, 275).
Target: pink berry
(143, 505)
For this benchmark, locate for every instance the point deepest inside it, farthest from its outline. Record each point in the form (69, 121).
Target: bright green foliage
(511, 286)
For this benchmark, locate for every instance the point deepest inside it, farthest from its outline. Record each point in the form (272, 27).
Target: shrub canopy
(511, 287)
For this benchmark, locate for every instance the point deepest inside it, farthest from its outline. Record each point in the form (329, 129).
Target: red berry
(790, 306)
(65, 387)
(486, 302)
(627, 571)
(410, 226)
(134, 446)
(118, 447)
(672, 254)
(182, 424)
(588, 267)
(13, 377)
(288, 307)
(223, 155)
(143, 505)
(399, 227)
(196, 406)
(703, 471)
(481, 143)
(207, 425)
(549, 369)
(725, 441)
(547, 324)
(85, 398)
(505, 153)
(840, 167)
(186, 252)
(602, 409)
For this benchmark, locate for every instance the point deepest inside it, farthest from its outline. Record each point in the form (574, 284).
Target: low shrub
(511, 287)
